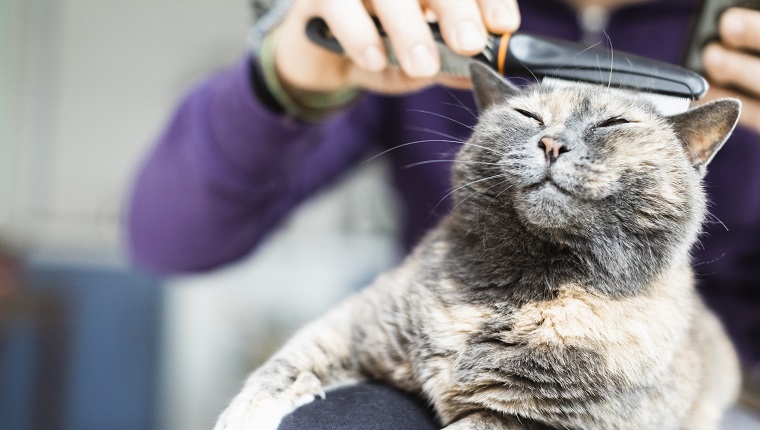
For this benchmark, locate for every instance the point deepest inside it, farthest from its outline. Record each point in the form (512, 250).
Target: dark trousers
(368, 406)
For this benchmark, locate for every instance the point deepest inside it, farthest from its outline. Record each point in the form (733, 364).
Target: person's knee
(362, 407)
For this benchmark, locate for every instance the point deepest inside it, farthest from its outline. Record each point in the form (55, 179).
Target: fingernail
(733, 26)
(373, 59)
(422, 62)
(469, 37)
(503, 18)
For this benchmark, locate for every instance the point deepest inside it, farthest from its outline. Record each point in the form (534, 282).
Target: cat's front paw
(261, 410)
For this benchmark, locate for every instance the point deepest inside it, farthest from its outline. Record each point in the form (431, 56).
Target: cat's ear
(489, 87)
(706, 128)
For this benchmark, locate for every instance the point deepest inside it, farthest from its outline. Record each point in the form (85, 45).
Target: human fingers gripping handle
(500, 16)
(452, 63)
(732, 63)
(462, 28)
(465, 24)
(707, 28)
(734, 69)
(410, 36)
(302, 65)
(461, 25)
(734, 60)
(350, 22)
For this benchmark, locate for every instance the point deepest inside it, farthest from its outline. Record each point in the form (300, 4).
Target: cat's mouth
(547, 204)
(549, 184)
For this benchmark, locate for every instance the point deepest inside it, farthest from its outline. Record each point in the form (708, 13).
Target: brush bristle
(665, 104)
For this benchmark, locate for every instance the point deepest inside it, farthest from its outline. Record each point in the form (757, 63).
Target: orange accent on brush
(502, 52)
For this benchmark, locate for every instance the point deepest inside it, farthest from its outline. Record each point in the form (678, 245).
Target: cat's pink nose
(552, 147)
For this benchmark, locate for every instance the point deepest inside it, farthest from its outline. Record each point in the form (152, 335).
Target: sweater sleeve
(227, 169)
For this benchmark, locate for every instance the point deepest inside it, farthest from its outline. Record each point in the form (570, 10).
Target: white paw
(251, 410)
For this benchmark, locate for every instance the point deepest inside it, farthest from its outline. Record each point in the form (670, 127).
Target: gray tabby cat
(557, 294)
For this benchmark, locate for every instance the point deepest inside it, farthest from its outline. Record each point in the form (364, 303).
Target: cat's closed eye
(530, 115)
(611, 122)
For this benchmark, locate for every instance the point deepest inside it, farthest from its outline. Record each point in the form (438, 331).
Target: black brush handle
(526, 54)
(544, 56)
(318, 32)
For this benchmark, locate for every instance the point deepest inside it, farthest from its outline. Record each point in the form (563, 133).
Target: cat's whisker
(712, 215)
(630, 67)
(496, 197)
(508, 187)
(463, 186)
(599, 66)
(436, 132)
(529, 71)
(709, 261)
(475, 193)
(704, 274)
(561, 66)
(441, 116)
(410, 143)
(491, 150)
(612, 57)
(471, 195)
(526, 80)
(590, 47)
(460, 104)
(420, 163)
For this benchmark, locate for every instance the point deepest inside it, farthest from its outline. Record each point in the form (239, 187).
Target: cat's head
(575, 165)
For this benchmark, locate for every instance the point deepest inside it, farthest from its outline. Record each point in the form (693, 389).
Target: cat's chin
(547, 205)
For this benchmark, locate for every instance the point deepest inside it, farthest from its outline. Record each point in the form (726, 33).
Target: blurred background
(87, 342)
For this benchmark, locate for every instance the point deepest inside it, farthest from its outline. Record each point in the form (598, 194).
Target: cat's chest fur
(563, 353)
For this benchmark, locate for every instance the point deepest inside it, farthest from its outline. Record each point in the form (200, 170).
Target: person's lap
(367, 406)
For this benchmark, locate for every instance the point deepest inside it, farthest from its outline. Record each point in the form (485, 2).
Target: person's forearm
(226, 170)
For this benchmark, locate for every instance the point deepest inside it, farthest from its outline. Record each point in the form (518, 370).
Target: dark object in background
(33, 360)
(10, 272)
(33, 356)
(704, 28)
(79, 349)
(750, 396)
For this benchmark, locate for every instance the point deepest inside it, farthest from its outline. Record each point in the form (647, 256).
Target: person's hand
(733, 65)
(302, 65)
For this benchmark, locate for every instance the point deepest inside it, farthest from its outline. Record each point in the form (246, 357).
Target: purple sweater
(228, 169)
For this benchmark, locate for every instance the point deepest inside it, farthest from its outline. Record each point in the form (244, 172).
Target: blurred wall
(86, 86)
(10, 45)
